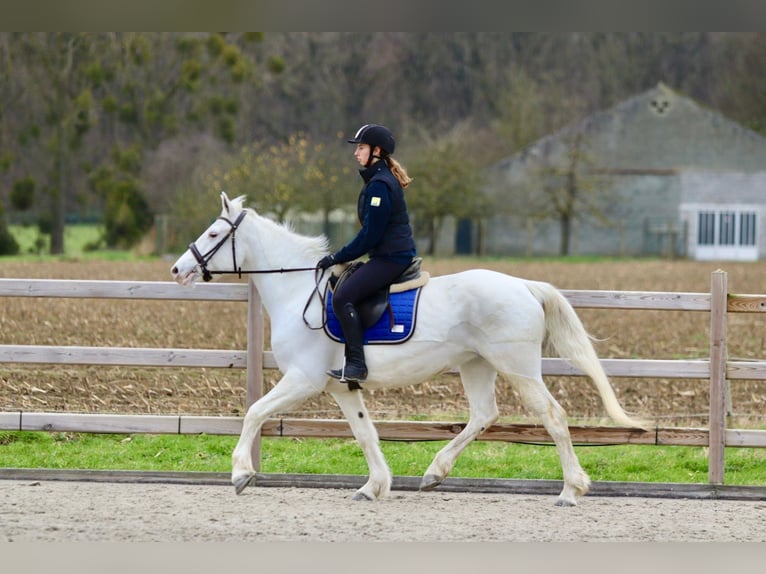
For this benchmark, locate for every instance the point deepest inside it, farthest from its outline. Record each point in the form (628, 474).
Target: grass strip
(624, 463)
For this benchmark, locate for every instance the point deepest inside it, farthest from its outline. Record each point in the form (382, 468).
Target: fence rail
(717, 369)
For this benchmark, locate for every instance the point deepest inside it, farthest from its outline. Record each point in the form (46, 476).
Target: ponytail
(399, 172)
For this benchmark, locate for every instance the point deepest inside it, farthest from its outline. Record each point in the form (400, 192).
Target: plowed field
(171, 324)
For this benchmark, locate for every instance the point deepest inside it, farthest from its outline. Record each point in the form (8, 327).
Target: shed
(657, 174)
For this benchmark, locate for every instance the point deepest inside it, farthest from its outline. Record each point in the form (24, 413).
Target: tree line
(120, 127)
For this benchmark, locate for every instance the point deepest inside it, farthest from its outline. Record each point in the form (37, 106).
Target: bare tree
(446, 182)
(564, 184)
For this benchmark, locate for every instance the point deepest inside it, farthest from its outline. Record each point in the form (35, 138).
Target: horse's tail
(566, 333)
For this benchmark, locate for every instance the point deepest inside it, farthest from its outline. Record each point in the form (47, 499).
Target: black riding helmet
(375, 135)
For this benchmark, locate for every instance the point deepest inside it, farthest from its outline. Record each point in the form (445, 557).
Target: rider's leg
(369, 278)
(355, 369)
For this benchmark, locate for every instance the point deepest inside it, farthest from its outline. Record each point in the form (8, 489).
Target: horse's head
(214, 250)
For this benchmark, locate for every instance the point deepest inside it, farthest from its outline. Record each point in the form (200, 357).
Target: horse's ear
(224, 201)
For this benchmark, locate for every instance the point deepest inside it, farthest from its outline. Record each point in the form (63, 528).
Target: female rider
(386, 236)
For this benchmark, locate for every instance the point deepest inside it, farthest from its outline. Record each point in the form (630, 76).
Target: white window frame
(727, 240)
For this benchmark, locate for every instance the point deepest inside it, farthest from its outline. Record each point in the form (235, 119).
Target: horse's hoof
(561, 502)
(243, 482)
(361, 496)
(430, 481)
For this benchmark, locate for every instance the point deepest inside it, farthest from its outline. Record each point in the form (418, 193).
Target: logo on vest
(375, 202)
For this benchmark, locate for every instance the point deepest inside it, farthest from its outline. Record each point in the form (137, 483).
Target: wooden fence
(717, 369)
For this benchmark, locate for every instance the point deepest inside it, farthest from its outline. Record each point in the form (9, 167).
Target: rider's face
(362, 153)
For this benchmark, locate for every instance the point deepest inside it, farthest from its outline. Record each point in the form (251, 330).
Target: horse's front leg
(294, 388)
(378, 483)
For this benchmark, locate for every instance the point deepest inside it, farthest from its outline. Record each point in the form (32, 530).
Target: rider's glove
(326, 261)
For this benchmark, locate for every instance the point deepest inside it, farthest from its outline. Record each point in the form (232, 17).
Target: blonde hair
(399, 172)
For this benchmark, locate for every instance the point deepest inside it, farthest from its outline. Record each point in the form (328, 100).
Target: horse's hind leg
(541, 403)
(379, 482)
(478, 378)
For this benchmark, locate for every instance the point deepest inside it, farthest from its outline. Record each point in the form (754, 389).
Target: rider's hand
(326, 261)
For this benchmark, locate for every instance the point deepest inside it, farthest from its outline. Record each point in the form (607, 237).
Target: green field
(81, 241)
(624, 463)
(76, 238)
(744, 466)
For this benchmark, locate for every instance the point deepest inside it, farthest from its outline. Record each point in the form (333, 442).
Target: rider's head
(375, 136)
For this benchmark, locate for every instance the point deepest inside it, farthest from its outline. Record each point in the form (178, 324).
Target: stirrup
(352, 377)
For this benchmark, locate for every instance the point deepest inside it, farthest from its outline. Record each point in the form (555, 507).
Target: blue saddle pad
(404, 306)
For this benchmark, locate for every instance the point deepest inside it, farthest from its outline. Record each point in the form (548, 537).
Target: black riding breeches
(369, 278)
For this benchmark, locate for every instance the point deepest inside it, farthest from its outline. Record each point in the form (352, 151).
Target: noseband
(202, 260)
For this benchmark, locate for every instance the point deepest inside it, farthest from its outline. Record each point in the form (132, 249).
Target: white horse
(480, 322)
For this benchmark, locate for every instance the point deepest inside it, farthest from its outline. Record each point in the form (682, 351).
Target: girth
(371, 309)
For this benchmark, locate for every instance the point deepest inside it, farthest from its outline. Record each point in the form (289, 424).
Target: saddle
(371, 309)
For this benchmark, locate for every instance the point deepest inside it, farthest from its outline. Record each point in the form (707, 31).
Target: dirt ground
(51, 511)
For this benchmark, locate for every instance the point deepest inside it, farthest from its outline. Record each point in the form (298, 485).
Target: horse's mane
(316, 246)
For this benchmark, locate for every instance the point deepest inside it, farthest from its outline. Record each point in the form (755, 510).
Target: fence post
(254, 360)
(717, 422)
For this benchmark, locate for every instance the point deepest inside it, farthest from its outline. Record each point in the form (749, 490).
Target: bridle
(207, 275)
(202, 260)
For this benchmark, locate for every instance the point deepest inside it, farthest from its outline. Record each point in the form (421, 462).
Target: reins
(207, 275)
(318, 275)
(241, 271)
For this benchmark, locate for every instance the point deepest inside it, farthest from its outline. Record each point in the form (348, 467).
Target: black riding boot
(355, 369)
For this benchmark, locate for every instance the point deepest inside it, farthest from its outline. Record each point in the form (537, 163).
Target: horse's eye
(213, 234)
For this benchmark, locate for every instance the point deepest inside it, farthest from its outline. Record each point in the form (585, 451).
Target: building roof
(655, 131)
